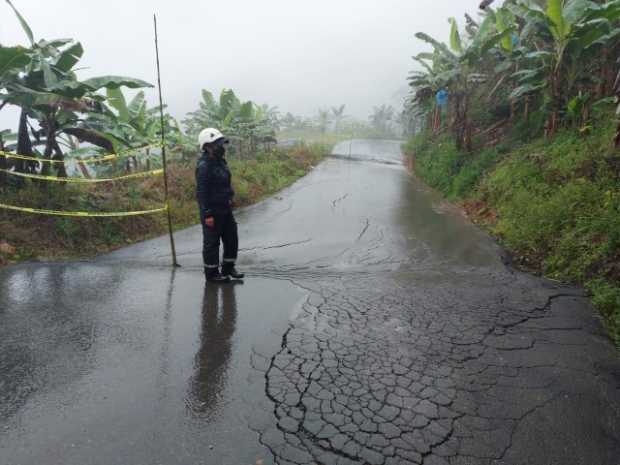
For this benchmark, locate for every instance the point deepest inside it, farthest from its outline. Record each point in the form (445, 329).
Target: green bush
(436, 161)
(471, 172)
(443, 167)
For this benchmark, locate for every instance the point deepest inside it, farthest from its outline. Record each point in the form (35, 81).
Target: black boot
(229, 271)
(213, 275)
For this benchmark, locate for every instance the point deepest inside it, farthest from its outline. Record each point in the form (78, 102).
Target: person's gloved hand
(210, 222)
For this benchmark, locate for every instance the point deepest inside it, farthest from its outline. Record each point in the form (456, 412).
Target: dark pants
(225, 230)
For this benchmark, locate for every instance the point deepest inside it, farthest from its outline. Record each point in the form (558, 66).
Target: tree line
(546, 64)
(383, 121)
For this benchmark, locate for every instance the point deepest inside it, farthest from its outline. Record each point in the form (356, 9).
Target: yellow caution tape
(39, 211)
(59, 162)
(91, 160)
(143, 174)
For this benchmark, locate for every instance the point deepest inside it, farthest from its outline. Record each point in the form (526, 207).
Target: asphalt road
(376, 326)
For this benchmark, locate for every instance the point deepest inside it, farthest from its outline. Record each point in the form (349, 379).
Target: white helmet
(209, 136)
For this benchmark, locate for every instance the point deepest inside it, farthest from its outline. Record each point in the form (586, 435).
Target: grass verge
(27, 237)
(553, 203)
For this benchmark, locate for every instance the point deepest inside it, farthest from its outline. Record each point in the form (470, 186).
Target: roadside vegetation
(35, 237)
(66, 125)
(518, 118)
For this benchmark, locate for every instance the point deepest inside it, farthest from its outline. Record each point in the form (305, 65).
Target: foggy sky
(297, 55)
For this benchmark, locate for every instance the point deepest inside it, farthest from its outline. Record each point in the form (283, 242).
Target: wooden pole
(163, 149)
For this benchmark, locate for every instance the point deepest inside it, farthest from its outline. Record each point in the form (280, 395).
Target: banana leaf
(455, 38)
(13, 58)
(23, 23)
(92, 137)
(114, 82)
(70, 57)
(438, 46)
(116, 100)
(525, 89)
(555, 14)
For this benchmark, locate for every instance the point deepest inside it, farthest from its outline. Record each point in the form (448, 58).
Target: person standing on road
(215, 194)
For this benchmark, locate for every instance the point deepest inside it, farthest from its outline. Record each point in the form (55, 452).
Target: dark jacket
(214, 190)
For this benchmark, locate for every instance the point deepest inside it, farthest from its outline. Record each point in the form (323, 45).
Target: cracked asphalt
(376, 327)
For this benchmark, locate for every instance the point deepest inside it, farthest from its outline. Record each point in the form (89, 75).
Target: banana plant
(212, 112)
(557, 54)
(245, 123)
(47, 89)
(566, 34)
(12, 61)
(425, 85)
(458, 67)
(134, 123)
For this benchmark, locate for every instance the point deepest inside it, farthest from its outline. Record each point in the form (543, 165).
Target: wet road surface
(375, 327)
